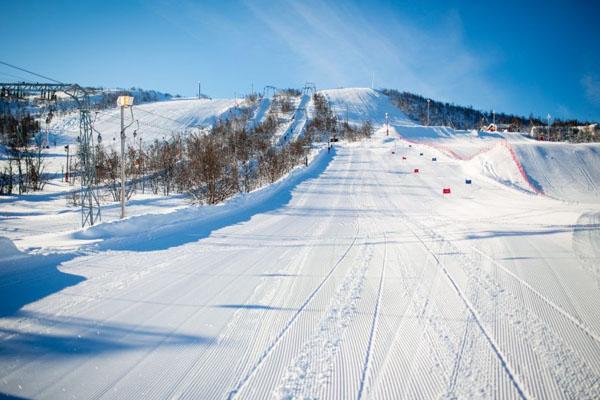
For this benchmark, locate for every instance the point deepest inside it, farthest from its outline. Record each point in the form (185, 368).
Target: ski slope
(156, 120)
(361, 104)
(352, 278)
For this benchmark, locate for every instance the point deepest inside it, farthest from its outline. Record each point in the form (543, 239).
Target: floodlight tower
(124, 102)
(387, 125)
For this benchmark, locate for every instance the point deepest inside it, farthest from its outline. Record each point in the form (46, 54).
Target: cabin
(500, 128)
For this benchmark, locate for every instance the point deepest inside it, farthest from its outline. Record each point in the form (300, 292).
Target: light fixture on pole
(387, 125)
(124, 102)
(67, 174)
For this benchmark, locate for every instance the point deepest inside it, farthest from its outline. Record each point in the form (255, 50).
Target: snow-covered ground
(353, 278)
(156, 120)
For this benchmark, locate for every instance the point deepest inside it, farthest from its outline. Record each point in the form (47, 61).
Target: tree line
(459, 117)
(212, 165)
(24, 168)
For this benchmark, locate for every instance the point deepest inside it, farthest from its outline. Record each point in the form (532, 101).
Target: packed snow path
(367, 283)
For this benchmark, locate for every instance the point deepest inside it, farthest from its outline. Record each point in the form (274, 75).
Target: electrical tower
(90, 205)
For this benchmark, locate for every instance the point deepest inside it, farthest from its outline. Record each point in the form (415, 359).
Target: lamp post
(123, 102)
(387, 125)
(67, 174)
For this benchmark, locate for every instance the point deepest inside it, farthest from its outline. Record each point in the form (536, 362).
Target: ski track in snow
(365, 282)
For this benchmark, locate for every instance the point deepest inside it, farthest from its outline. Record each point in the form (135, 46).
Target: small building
(500, 128)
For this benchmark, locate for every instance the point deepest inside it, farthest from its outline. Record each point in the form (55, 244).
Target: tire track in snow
(495, 348)
(99, 323)
(368, 355)
(578, 323)
(233, 393)
(311, 369)
(573, 375)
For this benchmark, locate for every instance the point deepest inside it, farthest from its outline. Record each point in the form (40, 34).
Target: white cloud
(343, 45)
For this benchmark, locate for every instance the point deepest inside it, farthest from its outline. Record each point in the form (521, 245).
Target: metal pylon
(90, 205)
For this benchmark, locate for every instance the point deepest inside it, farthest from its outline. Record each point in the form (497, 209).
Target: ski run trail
(354, 278)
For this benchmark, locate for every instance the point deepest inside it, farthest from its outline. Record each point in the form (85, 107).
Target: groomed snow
(353, 278)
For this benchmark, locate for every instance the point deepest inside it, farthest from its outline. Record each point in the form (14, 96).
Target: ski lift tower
(268, 89)
(90, 205)
(309, 88)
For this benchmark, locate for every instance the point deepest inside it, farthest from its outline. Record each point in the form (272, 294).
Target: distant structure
(309, 88)
(269, 89)
(500, 128)
(90, 205)
(578, 134)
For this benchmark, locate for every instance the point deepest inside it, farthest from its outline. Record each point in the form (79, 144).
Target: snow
(156, 120)
(352, 278)
(362, 104)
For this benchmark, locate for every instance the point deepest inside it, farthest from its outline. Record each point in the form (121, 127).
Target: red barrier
(416, 170)
(446, 191)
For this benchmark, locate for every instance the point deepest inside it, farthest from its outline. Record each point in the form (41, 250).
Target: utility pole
(123, 102)
(494, 117)
(142, 166)
(549, 117)
(428, 121)
(346, 114)
(199, 90)
(90, 205)
(67, 174)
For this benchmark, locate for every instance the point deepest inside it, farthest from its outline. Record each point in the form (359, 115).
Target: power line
(30, 72)
(162, 116)
(13, 76)
(114, 116)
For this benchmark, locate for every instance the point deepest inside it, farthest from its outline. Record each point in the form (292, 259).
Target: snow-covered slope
(564, 171)
(357, 277)
(561, 170)
(362, 104)
(156, 120)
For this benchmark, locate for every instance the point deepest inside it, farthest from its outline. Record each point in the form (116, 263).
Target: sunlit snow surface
(353, 278)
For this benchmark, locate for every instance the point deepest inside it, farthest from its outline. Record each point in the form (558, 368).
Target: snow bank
(500, 164)
(158, 231)
(25, 278)
(8, 251)
(565, 171)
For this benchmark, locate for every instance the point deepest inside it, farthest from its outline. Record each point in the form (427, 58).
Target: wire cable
(30, 72)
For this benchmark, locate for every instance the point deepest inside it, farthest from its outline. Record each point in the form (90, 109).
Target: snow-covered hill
(427, 263)
(156, 120)
(362, 104)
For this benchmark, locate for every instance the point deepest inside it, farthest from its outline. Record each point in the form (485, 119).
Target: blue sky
(520, 57)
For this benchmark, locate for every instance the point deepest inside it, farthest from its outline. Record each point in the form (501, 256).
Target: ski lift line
(20, 78)
(113, 116)
(30, 72)
(162, 116)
